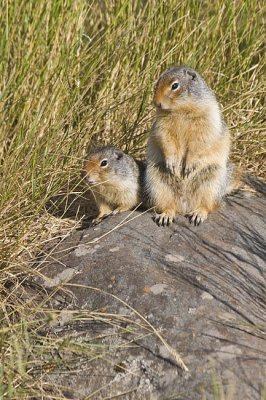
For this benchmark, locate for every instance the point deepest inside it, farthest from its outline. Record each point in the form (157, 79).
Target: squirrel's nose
(86, 177)
(157, 103)
(157, 100)
(89, 180)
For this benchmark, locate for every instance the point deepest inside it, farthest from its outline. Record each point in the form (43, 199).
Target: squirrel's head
(179, 85)
(102, 165)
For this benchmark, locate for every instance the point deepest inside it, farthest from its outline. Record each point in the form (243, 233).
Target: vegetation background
(72, 72)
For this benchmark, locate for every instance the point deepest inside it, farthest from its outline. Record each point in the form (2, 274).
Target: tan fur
(237, 179)
(116, 187)
(187, 154)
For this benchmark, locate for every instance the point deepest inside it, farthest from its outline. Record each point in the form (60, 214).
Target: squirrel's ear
(192, 74)
(119, 154)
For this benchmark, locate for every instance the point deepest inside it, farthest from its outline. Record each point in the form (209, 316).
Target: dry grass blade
(172, 351)
(65, 82)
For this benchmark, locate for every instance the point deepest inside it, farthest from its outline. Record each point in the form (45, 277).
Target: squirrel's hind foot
(197, 217)
(164, 219)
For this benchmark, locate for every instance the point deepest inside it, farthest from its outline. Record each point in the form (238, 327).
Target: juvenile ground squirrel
(115, 178)
(188, 171)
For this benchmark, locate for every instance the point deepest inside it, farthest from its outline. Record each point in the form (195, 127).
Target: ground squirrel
(188, 171)
(115, 178)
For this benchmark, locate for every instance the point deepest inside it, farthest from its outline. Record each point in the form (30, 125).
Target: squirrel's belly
(182, 197)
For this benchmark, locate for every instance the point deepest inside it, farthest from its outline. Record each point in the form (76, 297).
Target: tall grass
(73, 72)
(76, 71)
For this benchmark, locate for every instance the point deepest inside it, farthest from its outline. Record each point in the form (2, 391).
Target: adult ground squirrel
(115, 179)
(188, 171)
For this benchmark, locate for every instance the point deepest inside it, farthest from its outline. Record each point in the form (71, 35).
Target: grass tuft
(77, 72)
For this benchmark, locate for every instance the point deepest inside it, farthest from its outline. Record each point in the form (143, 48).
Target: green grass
(73, 72)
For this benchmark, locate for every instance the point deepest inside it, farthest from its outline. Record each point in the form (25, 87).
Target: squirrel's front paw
(173, 166)
(100, 218)
(188, 169)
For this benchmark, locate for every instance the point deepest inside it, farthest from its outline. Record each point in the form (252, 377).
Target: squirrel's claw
(96, 221)
(172, 166)
(99, 219)
(197, 217)
(164, 219)
(187, 170)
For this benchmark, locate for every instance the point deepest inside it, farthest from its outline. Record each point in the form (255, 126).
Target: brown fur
(188, 149)
(117, 186)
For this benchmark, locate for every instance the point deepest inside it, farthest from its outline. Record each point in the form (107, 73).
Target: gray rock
(202, 289)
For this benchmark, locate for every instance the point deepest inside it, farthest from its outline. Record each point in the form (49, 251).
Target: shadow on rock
(73, 204)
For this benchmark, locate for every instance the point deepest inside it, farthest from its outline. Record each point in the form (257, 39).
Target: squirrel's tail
(238, 180)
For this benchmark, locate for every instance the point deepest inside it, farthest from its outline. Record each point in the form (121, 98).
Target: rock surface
(201, 288)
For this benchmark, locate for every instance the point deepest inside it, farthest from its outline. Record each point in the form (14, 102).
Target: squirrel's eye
(104, 163)
(175, 86)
